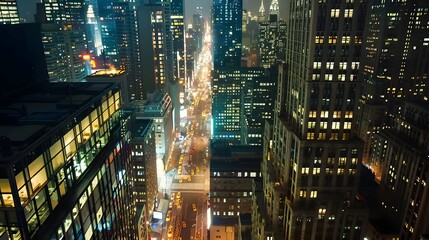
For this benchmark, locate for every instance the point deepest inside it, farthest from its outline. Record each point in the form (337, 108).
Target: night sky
(27, 8)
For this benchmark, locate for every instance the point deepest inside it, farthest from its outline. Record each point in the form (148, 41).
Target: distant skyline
(252, 5)
(27, 8)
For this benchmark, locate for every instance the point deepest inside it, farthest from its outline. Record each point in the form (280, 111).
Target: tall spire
(274, 7)
(261, 11)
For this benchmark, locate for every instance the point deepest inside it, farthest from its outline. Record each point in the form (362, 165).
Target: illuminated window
(335, 125)
(342, 161)
(316, 77)
(323, 125)
(303, 194)
(345, 40)
(358, 39)
(313, 194)
(335, 12)
(348, 13)
(349, 114)
(316, 171)
(305, 170)
(337, 114)
(311, 124)
(312, 114)
(347, 125)
(317, 65)
(319, 39)
(332, 39)
(324, 114)
(322, 212)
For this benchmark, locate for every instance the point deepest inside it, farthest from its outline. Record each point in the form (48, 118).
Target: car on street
(168, 218)
(170, 231)
(178, 195)
(184, 224)
(194, 207)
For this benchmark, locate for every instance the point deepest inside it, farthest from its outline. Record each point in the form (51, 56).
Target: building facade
(160, 109)
(272, 37)
(227, 32)
(63, 52)
(9, 12)
(65, 165)
(70, 18)
(314, 159)
(232, 172)
(394, 65)
(128, 40)
(145, 187)
(403, 149)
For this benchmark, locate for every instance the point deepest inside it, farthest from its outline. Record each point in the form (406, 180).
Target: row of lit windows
(330, 77)
(335, 13)
(335, 125)
(331, 65)
(328, 171)
(217, 213)
(335, 114)
(303, 194)
(323, 136)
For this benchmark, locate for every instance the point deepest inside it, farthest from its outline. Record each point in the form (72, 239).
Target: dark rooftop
(38, 110)
(141, 127)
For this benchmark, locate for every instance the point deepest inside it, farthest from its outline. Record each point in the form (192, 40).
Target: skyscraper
(393, 63)
(177, 87)
(198, 27)
(92, 27)
(128, 40)
(228, 105)
(313, 164)
(272, 38)
(404, 190)
(178, 34)
(70, 17)
(227, 24)
(153, 21)
(261, 16)
(9, 12)
(65, 164)
(108, 32)
(227, 88)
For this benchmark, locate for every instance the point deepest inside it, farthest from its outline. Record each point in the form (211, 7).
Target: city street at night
(189, 212)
